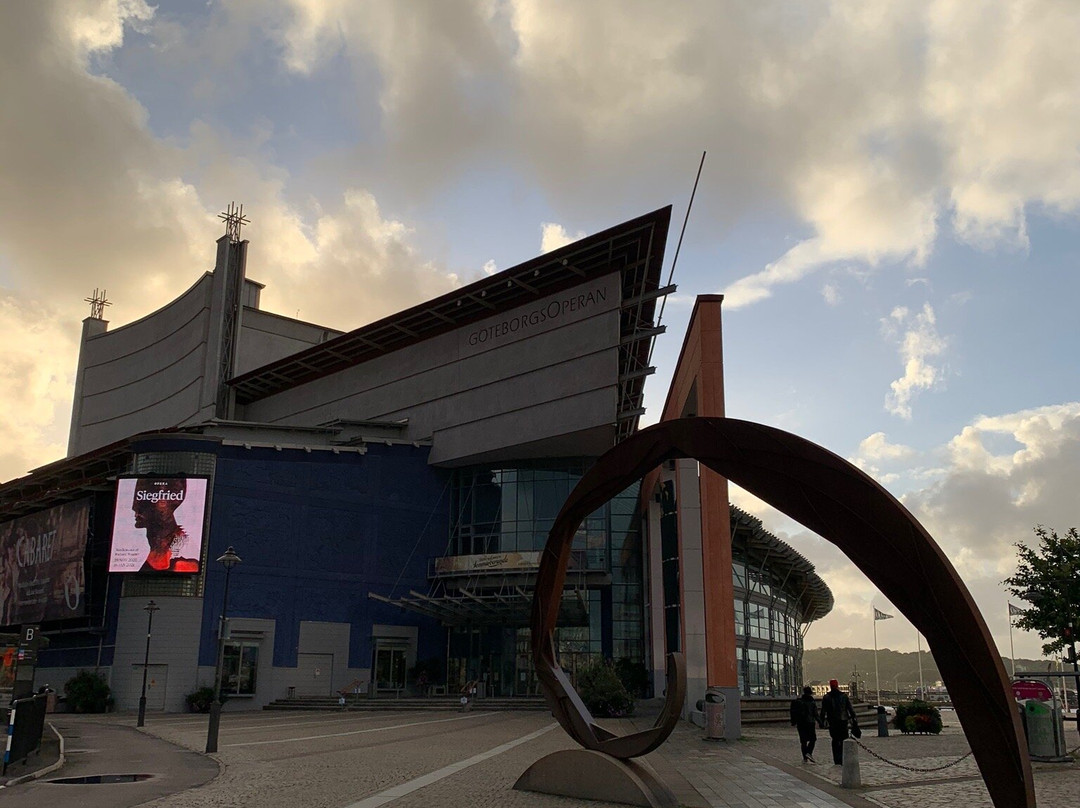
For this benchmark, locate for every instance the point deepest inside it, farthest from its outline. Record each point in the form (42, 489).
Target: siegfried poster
(42, 575)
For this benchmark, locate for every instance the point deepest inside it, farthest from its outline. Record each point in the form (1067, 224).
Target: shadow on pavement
(98, 751)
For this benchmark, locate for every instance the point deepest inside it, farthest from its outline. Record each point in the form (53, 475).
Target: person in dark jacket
(804, 717)
(836, 714)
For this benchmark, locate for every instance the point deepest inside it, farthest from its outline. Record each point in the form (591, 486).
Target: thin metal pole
(215, 705)
(145, 667)
(678, 247)
(876, 676)
(918, 643)
(1012, 651)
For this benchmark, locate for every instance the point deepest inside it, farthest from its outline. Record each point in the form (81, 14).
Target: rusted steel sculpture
(840, 503)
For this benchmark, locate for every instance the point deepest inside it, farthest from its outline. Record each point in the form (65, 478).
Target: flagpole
(1012, 652)
(918, 644)
(876, 676)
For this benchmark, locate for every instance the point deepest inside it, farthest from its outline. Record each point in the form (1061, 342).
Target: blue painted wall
(317, 532)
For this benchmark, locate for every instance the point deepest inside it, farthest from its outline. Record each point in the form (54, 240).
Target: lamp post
(149, 608)
(896, 685)
(228, 560)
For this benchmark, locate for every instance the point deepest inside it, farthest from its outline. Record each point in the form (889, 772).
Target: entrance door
(389, 667)
(524, 673)
(315, 674)
(156, 678)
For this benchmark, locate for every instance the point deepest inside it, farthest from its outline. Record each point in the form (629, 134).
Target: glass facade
(512, 509)
(767, 636)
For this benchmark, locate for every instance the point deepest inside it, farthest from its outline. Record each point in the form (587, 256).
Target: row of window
(513, 509)
(757, 581)
(757, 620)
(767, 673)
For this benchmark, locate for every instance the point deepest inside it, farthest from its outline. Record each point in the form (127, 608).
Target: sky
(890, 204)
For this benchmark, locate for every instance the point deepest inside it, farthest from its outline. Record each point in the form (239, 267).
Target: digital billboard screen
(42, 569)
(158, 525)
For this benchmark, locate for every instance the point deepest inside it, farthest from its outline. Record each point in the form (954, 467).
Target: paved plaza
(426, 759)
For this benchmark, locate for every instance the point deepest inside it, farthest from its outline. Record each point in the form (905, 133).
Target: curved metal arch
(836, 500)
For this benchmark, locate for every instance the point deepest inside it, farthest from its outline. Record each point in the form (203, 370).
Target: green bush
(87, 692)
(603, 693)
(918, 716)
(199, 701)
(633, 675)
(428, 672)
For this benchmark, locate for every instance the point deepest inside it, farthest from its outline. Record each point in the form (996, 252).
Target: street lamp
(149, 608)
(228, 560)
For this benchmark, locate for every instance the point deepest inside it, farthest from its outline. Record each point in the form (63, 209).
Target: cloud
(977, 506)
(37, 376)
(877, 447)
(354, 247)
(831, 294)
(919, 342)
(875, 451)
(872, 123)
(89, 197)
(93, 198)
(987, 501)
(553, 236)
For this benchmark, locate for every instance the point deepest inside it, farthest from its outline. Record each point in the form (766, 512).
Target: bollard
(882, 723)
(850, 777)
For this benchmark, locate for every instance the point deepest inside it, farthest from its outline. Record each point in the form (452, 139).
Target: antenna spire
(234, 219)
(97, 304)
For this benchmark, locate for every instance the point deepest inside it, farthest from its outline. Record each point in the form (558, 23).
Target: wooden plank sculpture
(836, 500)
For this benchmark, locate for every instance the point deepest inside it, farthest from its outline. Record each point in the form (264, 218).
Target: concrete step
(777, 711)
(417, 704)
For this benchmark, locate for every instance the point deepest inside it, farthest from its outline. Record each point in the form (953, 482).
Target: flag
(1015, 611)
(878, 615)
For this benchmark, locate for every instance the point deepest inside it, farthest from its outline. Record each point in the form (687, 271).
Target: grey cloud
(867, 121)
(976, 509)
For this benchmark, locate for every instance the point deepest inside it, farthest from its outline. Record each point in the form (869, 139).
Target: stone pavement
(1057, 785)
(102, 745)
(449, 759)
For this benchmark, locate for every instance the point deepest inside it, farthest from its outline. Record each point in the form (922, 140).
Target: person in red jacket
(836, 714)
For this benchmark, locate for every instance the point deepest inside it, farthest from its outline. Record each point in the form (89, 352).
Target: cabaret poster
(42, 571)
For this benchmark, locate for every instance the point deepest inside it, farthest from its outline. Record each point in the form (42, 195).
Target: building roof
(793, 571)
(73, 477)
(634, 248)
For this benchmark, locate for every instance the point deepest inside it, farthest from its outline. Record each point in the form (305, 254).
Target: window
(507, 509)
(738, 576)
(240, 663)
(758, 621)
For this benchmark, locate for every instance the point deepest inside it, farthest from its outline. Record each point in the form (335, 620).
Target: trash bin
(715, 705)
(882, 722)
(1045, 730)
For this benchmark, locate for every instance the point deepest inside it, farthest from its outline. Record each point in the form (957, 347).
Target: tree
(1048, 578)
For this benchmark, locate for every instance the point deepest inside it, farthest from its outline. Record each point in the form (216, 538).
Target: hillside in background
(823, 664)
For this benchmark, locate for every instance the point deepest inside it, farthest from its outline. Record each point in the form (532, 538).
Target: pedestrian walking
(804, 717)
(836, 714)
